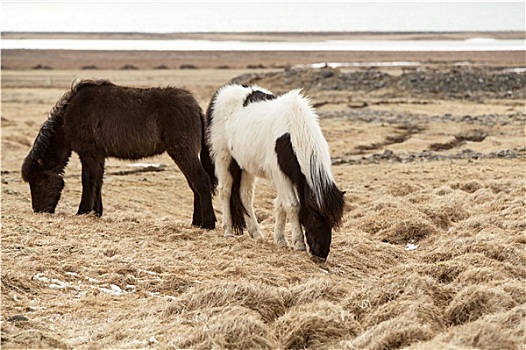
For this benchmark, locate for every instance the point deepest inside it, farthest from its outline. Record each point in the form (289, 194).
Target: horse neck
(53, 149)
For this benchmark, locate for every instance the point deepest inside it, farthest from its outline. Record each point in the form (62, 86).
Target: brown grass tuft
(261, 298)
(315, 325)
(398, 226)
(397, 286)
(481, 275)
(476, 301)
(393, 334)
(231, 327)
(421, 310)
(477, 335)
(314, 290)
(447, 210)
(32, 339)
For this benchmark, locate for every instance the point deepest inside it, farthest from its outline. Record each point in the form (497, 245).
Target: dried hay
(315, 325)
(395, 287)
(469, 186)
(398, 226)
(482, 196)
(512, 321)
(494, 244)
(392, 334)
(261, 298)
(443, 271)
(421, 310)
(447, 210)
(367, 255)
(515, 288)
(231, 327)
(505, 330)
(403, 189)
(32, 339)
(476, 301)
(443, 190)
(314, 290)
(481, 275)
(475, 223)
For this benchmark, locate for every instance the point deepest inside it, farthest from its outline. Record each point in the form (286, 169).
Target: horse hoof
(282, 243)
(256, 235)
(208, 226)
(300, 246)
(228, 233)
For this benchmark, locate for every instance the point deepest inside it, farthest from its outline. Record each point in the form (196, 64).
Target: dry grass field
(431, 254)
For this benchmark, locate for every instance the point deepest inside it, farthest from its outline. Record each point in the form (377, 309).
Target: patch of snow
(147, 165)
(411, 246)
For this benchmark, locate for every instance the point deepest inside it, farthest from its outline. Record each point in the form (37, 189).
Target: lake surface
(476, 44)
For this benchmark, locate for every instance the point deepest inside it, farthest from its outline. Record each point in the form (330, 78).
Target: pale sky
(173, 16)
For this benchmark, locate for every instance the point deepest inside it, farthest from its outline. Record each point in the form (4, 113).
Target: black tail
(237, 209)
(206, 159)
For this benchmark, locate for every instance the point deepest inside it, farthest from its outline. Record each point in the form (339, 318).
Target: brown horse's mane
(60, 107)
(39, 157)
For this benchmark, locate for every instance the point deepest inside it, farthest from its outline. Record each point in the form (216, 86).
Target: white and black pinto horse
(254, 133)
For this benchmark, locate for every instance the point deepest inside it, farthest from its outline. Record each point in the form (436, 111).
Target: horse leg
(199, 182)
(92, 173)
(281, 221)
(291, 205)
(98, 194)
(225, 182)
(197, 217)
(247, 197)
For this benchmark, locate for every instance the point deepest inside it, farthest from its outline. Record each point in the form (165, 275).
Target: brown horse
(98, 119)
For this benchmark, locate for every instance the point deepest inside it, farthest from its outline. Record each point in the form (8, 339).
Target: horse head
(318, 233)
(319, 222)
(43, 167)
(46, 185)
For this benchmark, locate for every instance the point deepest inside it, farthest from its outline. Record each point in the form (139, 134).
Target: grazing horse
(254, 133)
(98, 119)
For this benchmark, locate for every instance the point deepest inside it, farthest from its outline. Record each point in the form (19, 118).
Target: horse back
(131, 123)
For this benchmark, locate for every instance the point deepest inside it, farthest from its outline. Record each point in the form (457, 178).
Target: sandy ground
(431, 254)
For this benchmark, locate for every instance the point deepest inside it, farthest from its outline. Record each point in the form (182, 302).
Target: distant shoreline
(144, 60)
(23, 59)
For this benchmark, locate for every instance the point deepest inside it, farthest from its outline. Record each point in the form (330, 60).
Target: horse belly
(134, 144)
(119, 140)
(251, 154)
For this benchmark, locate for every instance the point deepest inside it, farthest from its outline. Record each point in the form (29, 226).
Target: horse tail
(312, 152)
(50, 139)
(237, 209)
(206, 159)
